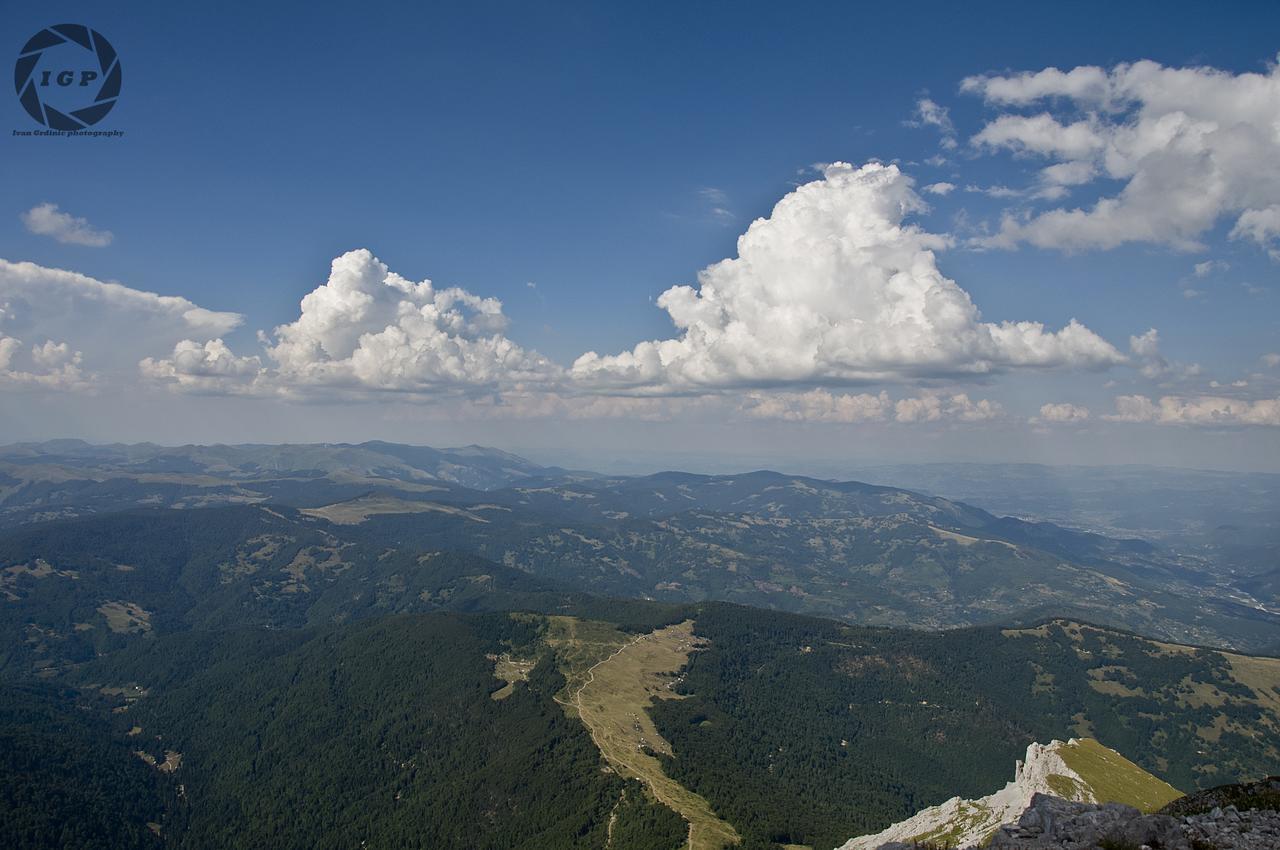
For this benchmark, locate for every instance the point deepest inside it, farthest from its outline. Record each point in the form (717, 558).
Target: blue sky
(605, 153)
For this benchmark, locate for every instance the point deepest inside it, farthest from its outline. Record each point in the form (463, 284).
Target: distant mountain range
(858, 552)
(470, 466)
(1229, 522)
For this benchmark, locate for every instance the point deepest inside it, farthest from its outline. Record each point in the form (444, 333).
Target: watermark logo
(67, 78)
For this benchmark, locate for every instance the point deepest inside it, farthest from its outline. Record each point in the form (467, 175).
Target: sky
(629, 236)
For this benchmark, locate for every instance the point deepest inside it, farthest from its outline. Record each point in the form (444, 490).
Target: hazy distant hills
(1231, 519)
(857, 552)
(471, 466)
(66, 478)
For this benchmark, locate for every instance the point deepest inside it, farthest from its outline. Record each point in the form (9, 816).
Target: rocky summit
(1052, 822)
(1078, 771)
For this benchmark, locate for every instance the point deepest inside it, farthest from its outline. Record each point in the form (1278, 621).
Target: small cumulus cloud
(821, 405)
(1061, 414)
(1152, 364)
(47, 220)
(1210, 267)
(929, 113)
(49, 365)
(208, 367)
(1196, 410)
(717, 203)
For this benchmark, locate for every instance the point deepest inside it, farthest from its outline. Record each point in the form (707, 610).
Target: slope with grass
(1080, 769)
(613, 702)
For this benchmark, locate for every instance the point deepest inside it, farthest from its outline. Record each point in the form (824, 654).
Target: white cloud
(942, 188)
(47, 220)
(1146, 347)
(932, 408)
(41, 289)
(1040, 134)
(1061, 413)
(8, 347)
(1192, 145)
(717, 202)
(109, 325)
(1271, 360)
(997, 191)
(1153, 365)
(820, 405)
(1262, 226)
(1067, 174)
(931, 114)
(1087, 84)
(50, 355)
(833, 287)
(1210, 267)
(51, 365)
(211, 367)
(369, 328)
(1196, 410)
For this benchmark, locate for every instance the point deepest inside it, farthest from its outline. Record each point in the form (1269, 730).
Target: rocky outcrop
(1080, 770)
(1051, 822)
(1263, 794)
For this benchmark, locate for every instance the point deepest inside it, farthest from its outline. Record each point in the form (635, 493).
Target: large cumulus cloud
(369, 326)
(368, 329)
(834, 287)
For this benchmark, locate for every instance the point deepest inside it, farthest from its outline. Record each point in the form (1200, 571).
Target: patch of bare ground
(613, 700)
(357, 511)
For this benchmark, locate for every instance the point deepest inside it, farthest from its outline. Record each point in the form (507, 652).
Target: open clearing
(126, 617)
(510, 670)
(612, 698)
(357, 511)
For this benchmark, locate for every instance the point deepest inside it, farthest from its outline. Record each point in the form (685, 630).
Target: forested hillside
(381, 734)
(66, 780)
(806, 731)
(397, 729)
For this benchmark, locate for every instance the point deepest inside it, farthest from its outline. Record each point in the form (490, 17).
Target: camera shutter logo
(81, 74)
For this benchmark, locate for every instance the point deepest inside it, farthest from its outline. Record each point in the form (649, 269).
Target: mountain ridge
(1080, 770)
